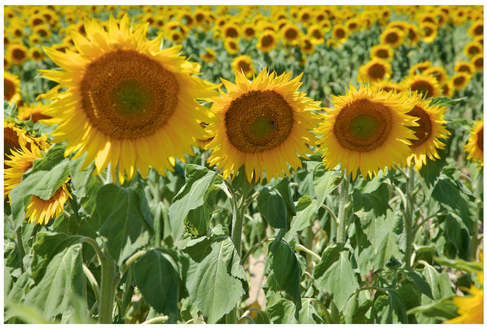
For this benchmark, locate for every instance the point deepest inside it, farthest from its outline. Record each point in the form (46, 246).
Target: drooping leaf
(376, 228)
(420, 282)
(389, 309)
(387, 249)
(447, 193)
(272, 207)
(283, 188)
(283, 312)
(330, 255)
(443, 309)
(305, 208)
(80, 178)
(325, 182)
(460, 264)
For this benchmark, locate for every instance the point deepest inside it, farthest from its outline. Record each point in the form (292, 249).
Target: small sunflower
(464, 66)
(25, 112)
(384, 52)
(248, 31)
(431, 127)
(426, 85)
(231, 30)
(392, 36)
(339, 33)
(448, 88)
(267, 41)
(305, 16)
(376, 69)
(306, 45)
(476, 29)
(366, 131)
(460, 80)
(326, 25)
(36, 20)
(210, 55)
(17, 53)
(478, 62)
(231, 45)
(243, 63)
(11, 88)
(262, 125)
(290, 34)
(36, 54)
(42, 31)
(14, 137)
(315, 34)
(420, 67)
(386, 86)
(413, 34)
(352, 25)
(475, 144)
(473, 48)
(438, 72)
(175, 36)
(128, 102)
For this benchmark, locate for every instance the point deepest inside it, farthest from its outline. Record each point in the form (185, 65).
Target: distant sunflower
(231, 30)
(464, 66)
(386, 86)
(475, 144)
(262, 125)
(478, 62)
(413, 34)
(376, 69)
(315, 34)
(267, 41)
(305, 16)
(306, 45)
(473, 48)
(352, 25)
(36, 53)
(476, 29)
(11, 88)
(210, 55)
(392, 36)
(243, 63)
(17, 53)
(128, 102)
(431, 127)
(339, 33)
(384, 52)
(248, 31)
(25, 112)
(366, 131)
(175, 36)
(420, 67)
(231, 45)
(448, 88)
(438, 72)
(36, 20)
(426, 85)
(290, 34)
(325, 25)
(42, 31)
(460, 80)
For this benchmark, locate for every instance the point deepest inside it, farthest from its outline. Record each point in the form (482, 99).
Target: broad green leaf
(339, 281)
(29, 314)
(330, 255)
(17, 290)
(191, 196)
(443, 309)
(460, 264)
(453, 227)
(308, 313)
(376, 228)
(389, 309)
(411, 298)
(283, 188)
(286, 269)
(445, 101)
(272, 207)
(51, 159)
(63, 275)
(199, 218)
(157, 280)
(80, 178)
(447, 193)
(431, 171)
(126, 220)
(439, 283)
(305, 208)
(325, 182)
(215, 280)
(283, 312)
(420, 282)
(387, 248)
(375, 203)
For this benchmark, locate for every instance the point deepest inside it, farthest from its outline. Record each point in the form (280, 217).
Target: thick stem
(409, 217)
(20, 245)
(237, 225)
(107, 291)
(342, 218)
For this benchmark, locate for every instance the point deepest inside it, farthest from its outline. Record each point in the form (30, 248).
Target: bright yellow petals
(478, 62)
(17, 53)
(464, 66)
(339, 33)
(375, 70)
(420, 67)
(387, 86)
(244, 64)
(290, 34)
(426, 85)
(25, 112)
(15, 137)
(231, 45)
(473, 48)
(306, 45)
(429, 32)
(470, 308)
(248, 31)
(262, 125)
(392, 36)
(11, 88)
(267, 41)
(384, 52)
(316, 34)
(460, 80)
(366, 131)
(438, 72)
(210, 55)
(36, 54)
(475, 144)
(41, 211)
(476, 29)
(128, 103)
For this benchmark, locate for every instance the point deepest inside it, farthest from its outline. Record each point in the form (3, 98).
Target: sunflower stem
(409, 216)
(107, 290)
(342, 218)
(21, 248)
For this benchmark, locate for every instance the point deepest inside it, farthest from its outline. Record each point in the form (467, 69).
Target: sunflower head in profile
(375, 70)
(306, 45)
(127, 103)
(11, 88)
(15, 136)
(25, 112)
(262, 125)
(367, 131)
(464, 66)
(426, 85)
(438, 72)
(460, 80)
(384, 52)
(475, 144)
(243, 63)
(339, 33)
(419, 67)
(431, 128)
(267, 41)
(17, 53)
(478, 62)
(392, 36)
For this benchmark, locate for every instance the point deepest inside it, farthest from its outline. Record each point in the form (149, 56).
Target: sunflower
(128, 102)
(305, 16)
(479, 39)
(267, 41)
(392, 36)
(460, 80)
(243, 63)
(431, 127)
(42, 31)
(25, 112)
(376, 69)
(248, 31)
(231, 30)
(315, 34)
(339, 33)
(17, 53)
(473, 48)
(384, 52)
(438, 72)
(325, 25)
(175, 36)
(448, 88)
(429, 32)
(306, 45)
(475, 144)
(36, 20)
(366, 131)
(478, 62)
(290, 34)
(386, 86)
(262, 125)
(476, 29)
(15, 137)
(11, 88)
(36, 53)
(16, 29)
(464, 66)
(426, 85)
(413, 34)
(231, 45)
(420, 67)
(210, 55)
(352, 25)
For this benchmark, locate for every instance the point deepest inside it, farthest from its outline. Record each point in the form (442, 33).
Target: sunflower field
(243, 164)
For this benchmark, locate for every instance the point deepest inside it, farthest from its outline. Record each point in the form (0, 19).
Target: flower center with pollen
(363, 125)
(377, 71)
(128, 95)
(258, 121)
(424, 130)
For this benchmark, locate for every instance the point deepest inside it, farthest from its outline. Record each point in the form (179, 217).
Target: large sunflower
(424, 84)
(475, 144)
(431, 127)
(366, 131)
(262, 125)
(128, 102)
(11, 88)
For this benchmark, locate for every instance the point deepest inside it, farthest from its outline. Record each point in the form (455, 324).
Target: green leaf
(51, 159)
(420, 282)
(460, 264)
(126, 220)
(283, 312)
(330, 255)
(443, 309)
(272, 207)
(430, 172)
(440, 285)
(215, 280)
(17, 291)
(63, 273)
(387, 248)
(445, 101)
(199, 218)
(80, 178)
(28, 314)
(390, 309)
(447, 193)
(157, 279)
(375, 203)
(305, 208)
(190, 197)
(339, 281)
(325, 182)
(283, 188)
(308, 313)
(376, 228)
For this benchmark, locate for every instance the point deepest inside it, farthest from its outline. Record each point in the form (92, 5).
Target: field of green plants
(243, 164)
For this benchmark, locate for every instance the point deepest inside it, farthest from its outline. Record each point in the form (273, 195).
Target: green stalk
(477, 191)
(342, 218)
(409, 216)
(107, 291)
(157, 214)
(20, 245)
